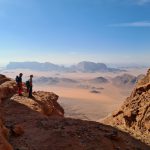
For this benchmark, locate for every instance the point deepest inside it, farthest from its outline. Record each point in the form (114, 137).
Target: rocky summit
(134, 115)
(39, 123)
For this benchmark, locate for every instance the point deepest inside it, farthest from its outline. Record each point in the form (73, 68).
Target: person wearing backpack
(19, 83)
(28, 85)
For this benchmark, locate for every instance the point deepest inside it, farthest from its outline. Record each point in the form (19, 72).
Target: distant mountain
(99, 80)
(53, 81)
(35, 66)
(84, 66)
(125, 80)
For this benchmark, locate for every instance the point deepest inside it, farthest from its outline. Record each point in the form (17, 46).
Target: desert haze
(84, 94)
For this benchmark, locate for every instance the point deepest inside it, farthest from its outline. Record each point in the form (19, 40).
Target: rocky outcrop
(7, 87)
(42, 102)
(4, 134)
(3, 79)
(134, 115)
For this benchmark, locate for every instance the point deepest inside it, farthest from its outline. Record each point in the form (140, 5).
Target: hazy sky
(68, 31)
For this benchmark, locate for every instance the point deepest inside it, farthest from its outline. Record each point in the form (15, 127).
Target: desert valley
(84, 94)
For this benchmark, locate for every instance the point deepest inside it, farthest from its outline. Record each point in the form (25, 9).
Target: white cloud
(141, 2)
(132, 24)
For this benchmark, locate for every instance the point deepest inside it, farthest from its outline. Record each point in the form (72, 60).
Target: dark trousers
(20, 88)
(30, 91)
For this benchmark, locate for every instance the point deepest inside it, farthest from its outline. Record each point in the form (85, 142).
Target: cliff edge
(134, 115)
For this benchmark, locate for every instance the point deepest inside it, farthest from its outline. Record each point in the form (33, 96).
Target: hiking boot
(30, 97)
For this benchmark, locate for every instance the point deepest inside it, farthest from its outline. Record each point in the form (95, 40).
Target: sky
(70, 31)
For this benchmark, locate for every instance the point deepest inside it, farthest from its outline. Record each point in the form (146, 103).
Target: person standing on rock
(19, 84)
(30, 86)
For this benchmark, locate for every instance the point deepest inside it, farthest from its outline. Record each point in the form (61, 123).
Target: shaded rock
(48, 103)
(4, 135)
(8, 87)
(113, 135)
(18, 130)
(134, 114)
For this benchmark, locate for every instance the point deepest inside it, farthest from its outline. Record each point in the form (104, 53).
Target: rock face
(39, 124)
(134, 115)
(4, 134)
(7, 89)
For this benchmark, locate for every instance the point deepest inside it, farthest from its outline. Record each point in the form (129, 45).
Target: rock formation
(39, 124)
(7, 89)
(134, 115)
(125, 80)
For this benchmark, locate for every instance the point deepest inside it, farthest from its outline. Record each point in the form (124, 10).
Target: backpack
(27, 83)
(17, 79)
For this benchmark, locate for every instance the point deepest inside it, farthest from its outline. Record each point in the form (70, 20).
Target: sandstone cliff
(134, 115)
(39, 124)
(7, 89)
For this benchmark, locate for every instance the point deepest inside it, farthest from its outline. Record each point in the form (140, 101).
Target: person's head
(31, 76)
(20, 74)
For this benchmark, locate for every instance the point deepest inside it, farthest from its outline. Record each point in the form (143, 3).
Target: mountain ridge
(84, 66)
